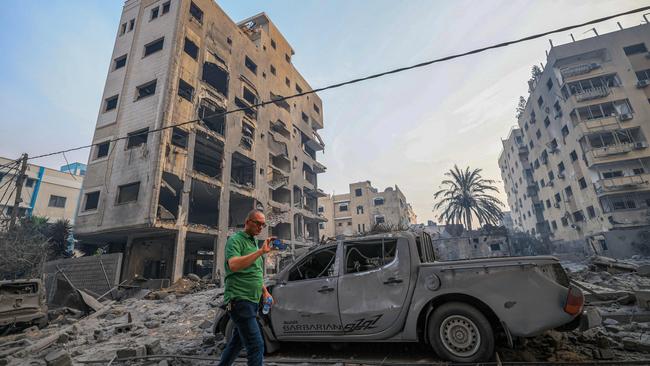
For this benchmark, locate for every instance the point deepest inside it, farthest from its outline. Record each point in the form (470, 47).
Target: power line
(13, 162)
(365, 78)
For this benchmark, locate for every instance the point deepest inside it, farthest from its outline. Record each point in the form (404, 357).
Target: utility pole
(19, 190)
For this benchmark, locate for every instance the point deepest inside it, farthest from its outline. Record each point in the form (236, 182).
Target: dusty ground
(181, 324)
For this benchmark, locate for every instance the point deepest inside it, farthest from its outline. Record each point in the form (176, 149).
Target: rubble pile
(175, 320)
(178, 320)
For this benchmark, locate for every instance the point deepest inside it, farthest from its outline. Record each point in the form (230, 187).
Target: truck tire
(458, 332)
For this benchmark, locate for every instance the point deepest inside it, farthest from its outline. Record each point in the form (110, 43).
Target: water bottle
(267, 305)
(278, 244)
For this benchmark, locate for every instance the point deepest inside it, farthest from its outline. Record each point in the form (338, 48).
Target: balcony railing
(608, 185)
(523, 149)
(576, 70)
(605, 124)
(608, 151)
(628, 218)
(593, 93)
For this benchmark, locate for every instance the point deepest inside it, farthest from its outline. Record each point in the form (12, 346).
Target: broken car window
(315, 265)
(366, 256)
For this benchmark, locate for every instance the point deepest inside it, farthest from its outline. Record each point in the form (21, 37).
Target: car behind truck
(390, 288)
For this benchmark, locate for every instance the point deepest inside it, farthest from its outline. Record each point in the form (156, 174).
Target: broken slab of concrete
(612, 265)
(643, 298)
(626, 317)
(135, 351)
(643, 270)
(58, 358)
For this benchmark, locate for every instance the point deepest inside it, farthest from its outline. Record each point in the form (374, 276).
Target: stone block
(132, 352)
(153, 346)
(643, 298)
(58, 358)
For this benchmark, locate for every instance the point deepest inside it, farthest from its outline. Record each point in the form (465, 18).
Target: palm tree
(466, 194)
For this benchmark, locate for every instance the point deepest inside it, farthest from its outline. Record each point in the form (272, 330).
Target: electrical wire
(6, 203)
(11, 163)
(366, 78)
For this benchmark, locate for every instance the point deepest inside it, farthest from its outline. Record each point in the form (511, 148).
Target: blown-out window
(366, 256)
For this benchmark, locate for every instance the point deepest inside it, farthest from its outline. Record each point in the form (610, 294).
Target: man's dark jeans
(247, 333)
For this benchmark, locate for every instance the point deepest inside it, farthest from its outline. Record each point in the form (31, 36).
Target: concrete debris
(184, 286)
(611, 265)
(58, 358)
(178, 320)
(643, 298)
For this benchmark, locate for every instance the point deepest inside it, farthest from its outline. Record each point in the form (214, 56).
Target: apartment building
(356, 212)
(577, 168)
(169, 200)
(46, 192)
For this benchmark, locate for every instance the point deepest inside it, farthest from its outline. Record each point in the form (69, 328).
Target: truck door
(306, 301)
(373, 284)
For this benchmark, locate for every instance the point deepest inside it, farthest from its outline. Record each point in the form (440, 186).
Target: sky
(406, 129)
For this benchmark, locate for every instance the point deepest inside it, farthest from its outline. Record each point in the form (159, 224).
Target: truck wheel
(459, 332)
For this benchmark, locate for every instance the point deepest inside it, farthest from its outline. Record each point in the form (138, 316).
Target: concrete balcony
(523, 149)
(591, 94)
(608, 153)
(605, 124)
(315, 142)
(628, 218)
(620, 184)
(318, 167)
(578, 70)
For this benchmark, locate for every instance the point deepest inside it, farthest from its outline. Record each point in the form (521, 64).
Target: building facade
(169, 200)
(578, 167)
(46, 192)
(355, 213)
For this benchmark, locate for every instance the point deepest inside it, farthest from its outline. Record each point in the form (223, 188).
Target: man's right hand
(266, 246)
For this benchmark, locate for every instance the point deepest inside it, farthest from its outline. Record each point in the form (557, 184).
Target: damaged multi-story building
(358, 211)
(168, 198)
(577, 168)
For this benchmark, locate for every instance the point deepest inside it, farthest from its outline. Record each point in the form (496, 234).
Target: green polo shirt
(245, 284)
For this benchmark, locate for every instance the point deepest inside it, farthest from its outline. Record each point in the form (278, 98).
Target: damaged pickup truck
(390, 288)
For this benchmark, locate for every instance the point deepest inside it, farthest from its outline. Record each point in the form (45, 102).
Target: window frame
(97, 148)
(119, 59)
(250, 64)
(129, 144)
(119, 193)
(185, 90)
(138, 88)
(145, 52)
(384, 264)
(85, 201)
(302, 260)
(154, 13)
(108, 103)
(196, 12)
(193, 48)
(56, 200)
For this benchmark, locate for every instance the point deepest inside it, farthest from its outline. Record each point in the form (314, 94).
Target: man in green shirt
(244, 286)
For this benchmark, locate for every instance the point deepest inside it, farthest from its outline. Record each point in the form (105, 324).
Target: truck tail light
(574, 301)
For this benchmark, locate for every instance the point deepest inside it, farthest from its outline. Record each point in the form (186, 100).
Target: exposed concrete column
(127, 272)
(181, 222)
(179, 254)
